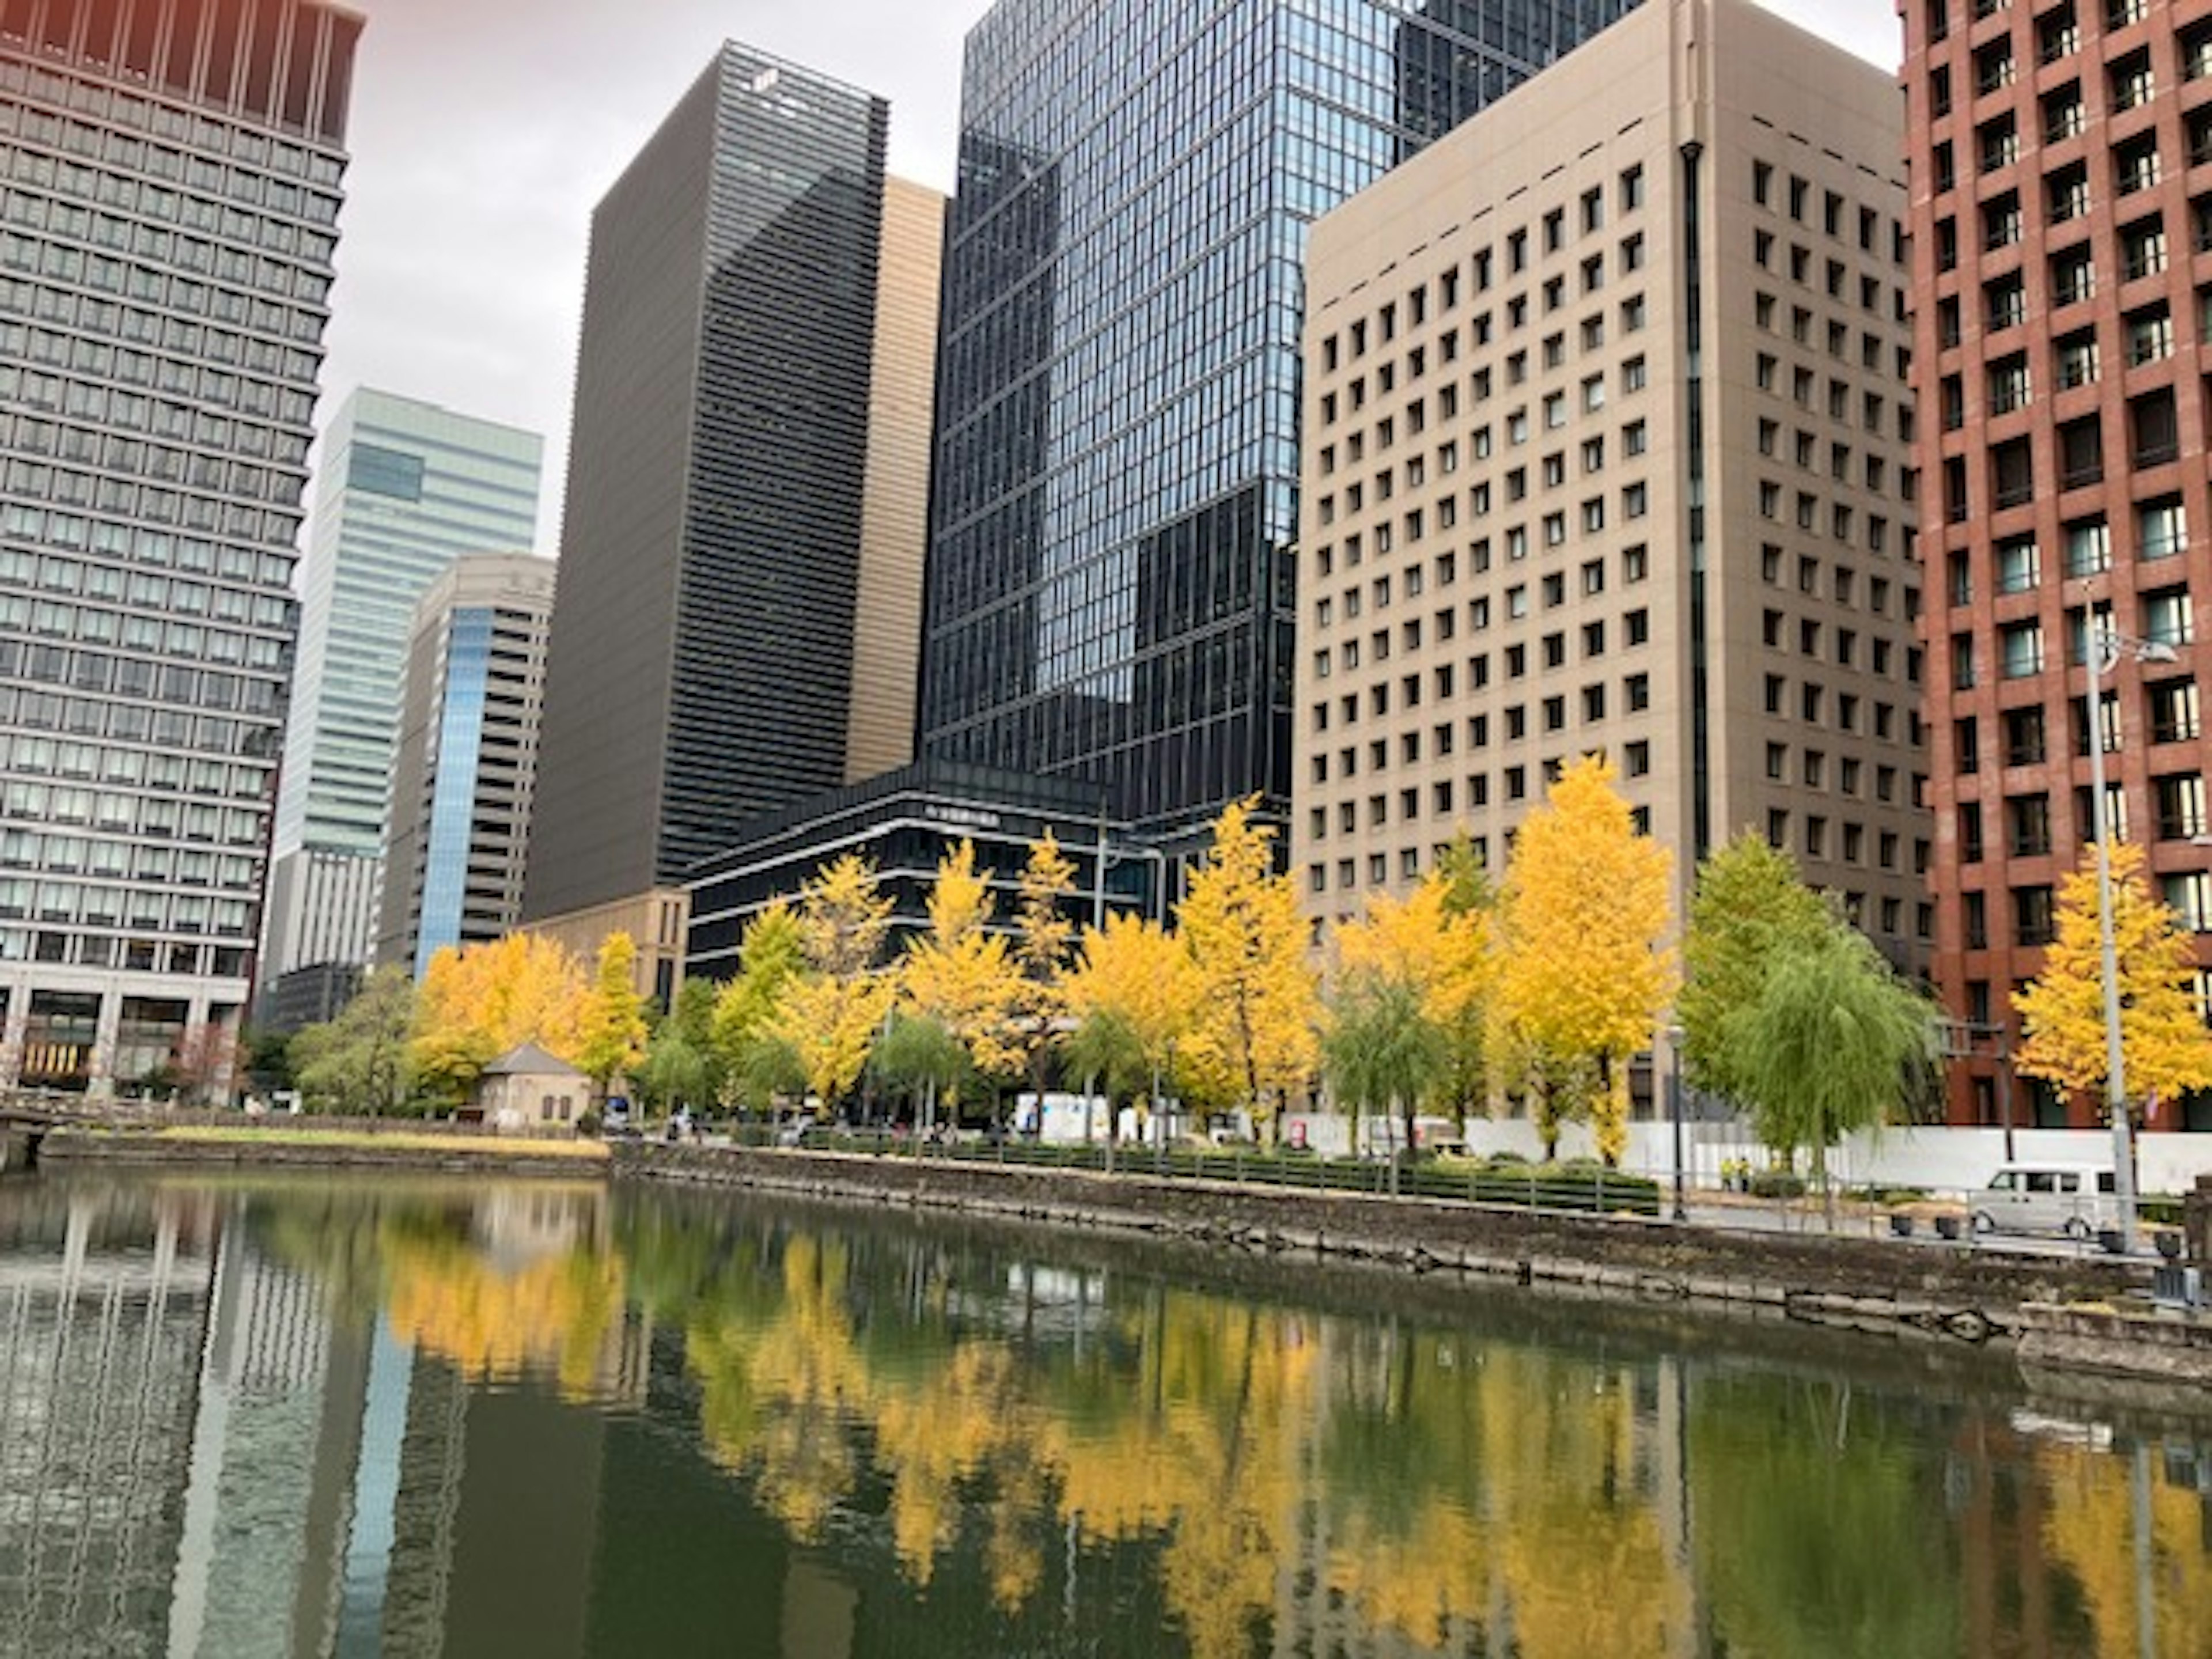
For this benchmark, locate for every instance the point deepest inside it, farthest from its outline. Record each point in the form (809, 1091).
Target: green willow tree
(1834, 1042)
(1750, 905)
(1383, 1051)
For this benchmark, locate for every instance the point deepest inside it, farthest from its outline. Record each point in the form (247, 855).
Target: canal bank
(408, 1149)
(1954, 1293)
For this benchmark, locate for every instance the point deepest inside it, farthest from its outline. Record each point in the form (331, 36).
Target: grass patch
(582, 1151)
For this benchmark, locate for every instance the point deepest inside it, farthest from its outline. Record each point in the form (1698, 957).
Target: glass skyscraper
(467, 765)
(170, 177)
(740, 562)
(1110, 580)
(405, 488)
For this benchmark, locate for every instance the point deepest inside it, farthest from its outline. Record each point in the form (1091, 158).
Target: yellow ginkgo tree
(1409, 999)
(478, 1002)
(830, 1015)
(1041, 950)
(960, 974)
(1585, 972)
(1132, 998)
(2164, 1045)
(1259, 1004)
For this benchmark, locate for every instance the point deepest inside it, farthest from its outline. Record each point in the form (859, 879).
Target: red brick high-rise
(2060, 154)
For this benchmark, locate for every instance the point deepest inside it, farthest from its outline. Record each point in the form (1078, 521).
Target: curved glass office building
(1110, 580)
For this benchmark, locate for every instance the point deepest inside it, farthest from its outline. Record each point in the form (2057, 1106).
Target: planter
(1900, 1226)
(2111, 1241)
(1948, 1226)
(2168, 1243)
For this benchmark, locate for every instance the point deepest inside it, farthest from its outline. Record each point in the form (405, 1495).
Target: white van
(2077, 1199)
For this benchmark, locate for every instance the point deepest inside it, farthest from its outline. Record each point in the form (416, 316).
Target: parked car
(2077, 1199)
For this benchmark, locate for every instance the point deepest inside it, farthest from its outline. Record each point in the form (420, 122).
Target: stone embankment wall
(273, 1151)
(1951, 1289)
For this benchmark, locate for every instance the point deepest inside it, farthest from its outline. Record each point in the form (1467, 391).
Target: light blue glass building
(405, 488)
(466, 768)
(1110, 579)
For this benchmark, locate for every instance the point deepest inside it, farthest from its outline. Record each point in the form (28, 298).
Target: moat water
(410, 1418)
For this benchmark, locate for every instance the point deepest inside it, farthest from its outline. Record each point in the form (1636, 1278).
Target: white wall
(1938, 1160)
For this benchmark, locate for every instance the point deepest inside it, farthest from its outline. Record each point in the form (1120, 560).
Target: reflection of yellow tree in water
(1207, 1432)
(1563, 1538)
(556, 1312)
(2090, 1528)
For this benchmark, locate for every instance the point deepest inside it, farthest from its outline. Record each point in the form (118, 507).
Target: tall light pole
(1674, 1107)
(2106, 649)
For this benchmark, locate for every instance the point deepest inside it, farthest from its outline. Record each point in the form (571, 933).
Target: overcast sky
(484, 131)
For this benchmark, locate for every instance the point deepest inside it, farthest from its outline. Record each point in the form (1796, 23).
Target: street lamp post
(1675, 1109)
(2106, 650)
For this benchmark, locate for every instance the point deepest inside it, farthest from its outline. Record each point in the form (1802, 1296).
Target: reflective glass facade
(404, 489)
(465, 772)
(702, 669)
(1110, 583)
(460, 741)
(170, 178)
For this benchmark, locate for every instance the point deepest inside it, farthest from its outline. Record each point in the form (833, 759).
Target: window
(2149, 334)
(2173, 712)
(2088, 547)
(2073, 276)
(2167, 619)
(2018, 566)
(2074, 359)
(2154, 428)
(2161, 529)
(2180, 806)
(2080, 453)
(2143, 248)
(2020, 649)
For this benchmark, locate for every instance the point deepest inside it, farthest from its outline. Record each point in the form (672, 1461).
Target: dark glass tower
(701, 660)
(1110, 572)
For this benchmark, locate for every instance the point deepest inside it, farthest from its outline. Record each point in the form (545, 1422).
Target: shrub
(587, 1121)
(1777, 1184)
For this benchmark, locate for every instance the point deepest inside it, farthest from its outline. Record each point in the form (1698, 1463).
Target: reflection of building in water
(96, 1369)
(282, 1389)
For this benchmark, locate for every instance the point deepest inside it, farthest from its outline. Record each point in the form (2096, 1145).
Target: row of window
(1839, 217)
(2167, 619)
(273, 224)
(1483, 267)
(1551, 712)
(160, 248)
(141, 909)
(2171, 714)
(205, 772)
(145, 590)
(2178, 801)
(33, 665)
(212, 157)
(137, 956)
(289, 402)
(171, 820)
(2035, 910)
(60, 854)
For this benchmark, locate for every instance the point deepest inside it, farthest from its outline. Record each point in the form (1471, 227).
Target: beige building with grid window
(1609, 447)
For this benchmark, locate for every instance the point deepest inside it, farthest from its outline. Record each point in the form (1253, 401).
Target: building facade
(1608, 448)
(170, 177)
(906, 823)
(1111, 572)
(467, 765)
(2062, 302)
(740, 562)
(405, 488)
